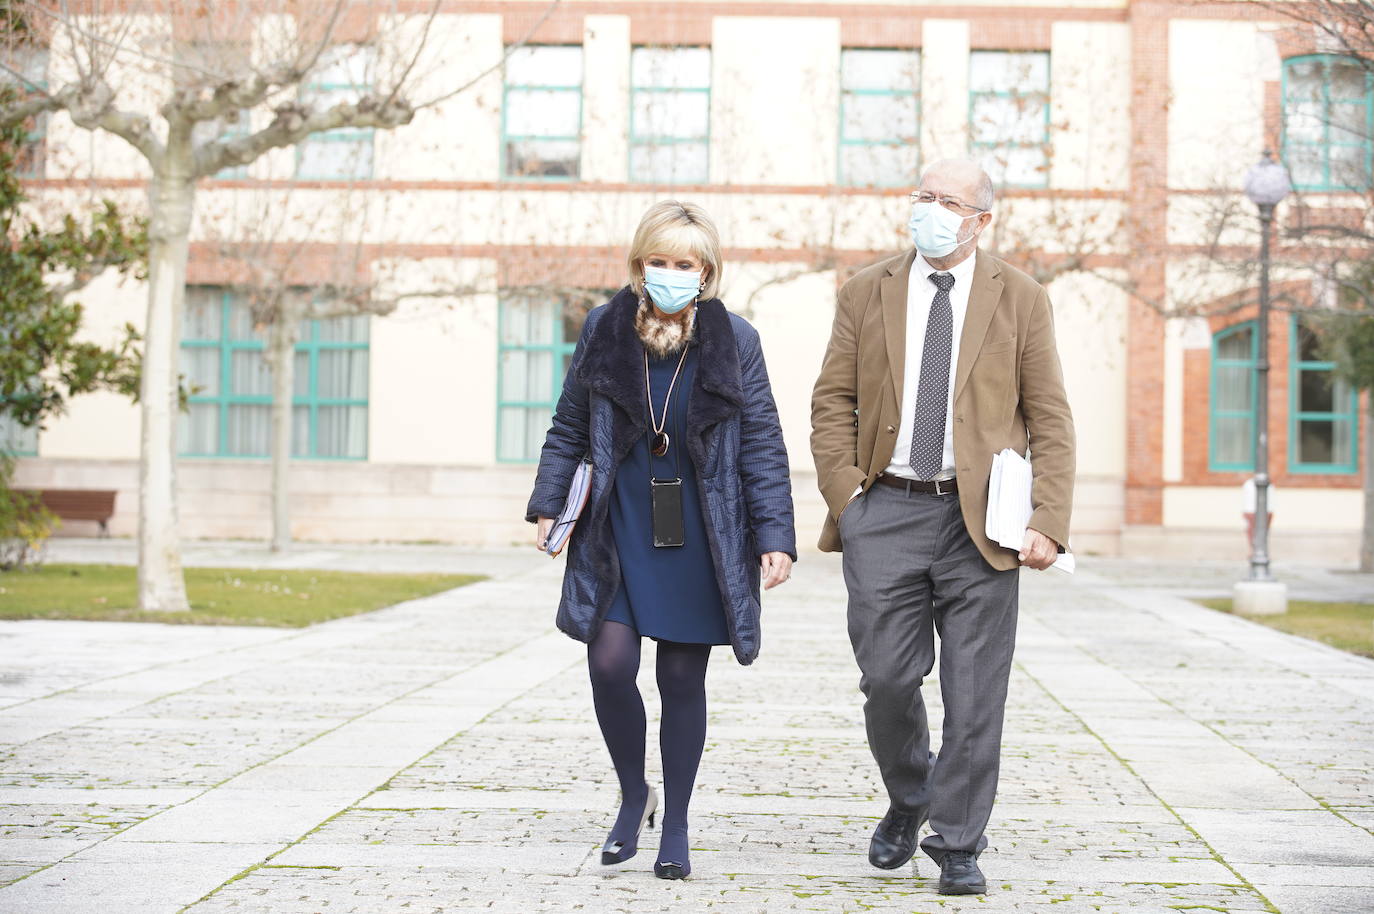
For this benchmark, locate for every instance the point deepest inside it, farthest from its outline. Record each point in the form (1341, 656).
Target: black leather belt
(924, 487)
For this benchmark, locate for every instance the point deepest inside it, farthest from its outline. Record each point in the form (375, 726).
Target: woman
(690, 504)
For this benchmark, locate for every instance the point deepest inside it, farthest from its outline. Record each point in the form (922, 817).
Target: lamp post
(1266, 183)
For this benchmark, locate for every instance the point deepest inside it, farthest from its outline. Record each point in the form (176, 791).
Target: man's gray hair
(969, 174)
(987, 195)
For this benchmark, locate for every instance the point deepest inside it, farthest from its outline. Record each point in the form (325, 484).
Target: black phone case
(666, 511)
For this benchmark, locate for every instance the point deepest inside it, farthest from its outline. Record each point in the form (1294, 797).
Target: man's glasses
(953, 204)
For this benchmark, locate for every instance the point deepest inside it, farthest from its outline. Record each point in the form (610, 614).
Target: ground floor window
(222, 358)
(537, 336)
(16, 440)
(1231, 431)
(1322, 409)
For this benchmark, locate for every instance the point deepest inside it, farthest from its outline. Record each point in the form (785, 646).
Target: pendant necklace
(658, 444)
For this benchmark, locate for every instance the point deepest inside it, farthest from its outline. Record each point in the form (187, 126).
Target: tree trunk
(282, 359)
(161, 584)
(1367, 536)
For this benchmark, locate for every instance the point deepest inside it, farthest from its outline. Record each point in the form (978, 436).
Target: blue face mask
(671, 290)
(934, 229)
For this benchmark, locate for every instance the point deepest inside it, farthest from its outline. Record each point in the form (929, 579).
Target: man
(939, 358)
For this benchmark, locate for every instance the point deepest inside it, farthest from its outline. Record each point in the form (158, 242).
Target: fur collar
(613, 365)
(662, 336)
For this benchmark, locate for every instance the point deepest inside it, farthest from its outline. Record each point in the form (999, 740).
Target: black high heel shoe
(620, 851)
(672, 870)
(672, 847)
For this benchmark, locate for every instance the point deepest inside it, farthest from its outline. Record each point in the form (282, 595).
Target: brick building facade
(1116, 129)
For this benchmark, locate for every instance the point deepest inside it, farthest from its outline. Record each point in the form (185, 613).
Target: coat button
(891, 430)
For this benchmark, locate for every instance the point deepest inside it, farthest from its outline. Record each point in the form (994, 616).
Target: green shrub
(24, 523)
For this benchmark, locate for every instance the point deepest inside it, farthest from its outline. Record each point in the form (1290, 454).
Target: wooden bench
(79, 504)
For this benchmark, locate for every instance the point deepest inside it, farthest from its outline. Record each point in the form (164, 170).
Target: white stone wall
(1217, 71)
(101, 425)
(944, 79)
(605, 95)
(433, 367)
(771, 81)
(454, 139)
(1090, 105)
(1316, 510)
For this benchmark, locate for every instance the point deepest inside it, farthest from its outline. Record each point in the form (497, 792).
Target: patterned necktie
(932, 393)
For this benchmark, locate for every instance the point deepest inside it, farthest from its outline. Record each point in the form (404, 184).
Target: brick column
(1148, 199)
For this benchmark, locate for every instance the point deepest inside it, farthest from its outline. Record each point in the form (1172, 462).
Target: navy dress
(668, 593)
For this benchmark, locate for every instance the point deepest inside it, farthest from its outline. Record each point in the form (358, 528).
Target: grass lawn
(1348, 626)
(219, 596)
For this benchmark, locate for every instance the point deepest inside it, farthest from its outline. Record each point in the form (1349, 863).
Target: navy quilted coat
(733, 438)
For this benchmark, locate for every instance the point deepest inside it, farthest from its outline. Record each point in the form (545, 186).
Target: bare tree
(177, 86)
(292, 265)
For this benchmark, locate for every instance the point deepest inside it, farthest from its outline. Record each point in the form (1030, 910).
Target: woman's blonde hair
(674, 228)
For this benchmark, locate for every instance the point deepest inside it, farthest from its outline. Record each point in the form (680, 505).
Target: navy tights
(613, 659)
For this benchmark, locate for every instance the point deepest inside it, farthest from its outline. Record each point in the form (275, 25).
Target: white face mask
(672, 290)
(935, 230)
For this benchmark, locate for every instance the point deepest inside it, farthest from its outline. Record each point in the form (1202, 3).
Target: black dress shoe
(894, 840)
(959, 874)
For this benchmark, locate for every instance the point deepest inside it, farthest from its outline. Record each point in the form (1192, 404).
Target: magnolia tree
(46, 362)
(195, 93)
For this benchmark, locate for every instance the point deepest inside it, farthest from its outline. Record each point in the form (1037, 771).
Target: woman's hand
(541, 533)
(776, 568)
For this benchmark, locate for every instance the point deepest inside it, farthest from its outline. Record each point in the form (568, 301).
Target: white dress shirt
(920, 292)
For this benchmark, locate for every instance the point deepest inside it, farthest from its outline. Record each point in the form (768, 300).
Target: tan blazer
(1008, 392)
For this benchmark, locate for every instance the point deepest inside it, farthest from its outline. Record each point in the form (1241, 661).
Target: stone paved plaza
(441, 755)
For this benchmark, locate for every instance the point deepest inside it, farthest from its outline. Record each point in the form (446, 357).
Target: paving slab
(442, 755)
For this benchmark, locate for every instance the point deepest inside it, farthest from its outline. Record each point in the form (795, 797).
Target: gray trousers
(912, 571)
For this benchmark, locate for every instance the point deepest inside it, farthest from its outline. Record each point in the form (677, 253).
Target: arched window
(1231, 436)
(1328, 122)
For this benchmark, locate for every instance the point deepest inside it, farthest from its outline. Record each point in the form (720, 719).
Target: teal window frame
(311, 344)
(508, 138)
(355, 135)
(559, 348)
(1351, 414)
(900, 180)
(979, 148)
(24, 439)
(635, 140)
(1326, 144)
(33, 166)
(1213, 413)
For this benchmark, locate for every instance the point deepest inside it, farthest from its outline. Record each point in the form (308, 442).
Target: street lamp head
(1266, 183)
